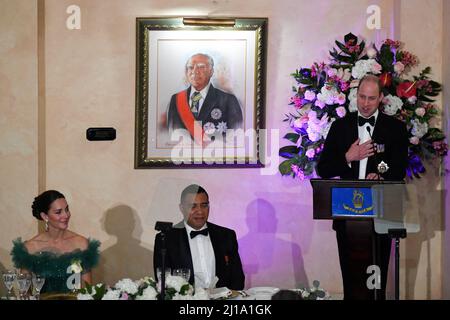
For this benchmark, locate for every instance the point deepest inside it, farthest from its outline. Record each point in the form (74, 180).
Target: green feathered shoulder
(50, 263)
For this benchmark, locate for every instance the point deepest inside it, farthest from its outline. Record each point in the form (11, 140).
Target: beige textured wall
(18, 122)
(89, 81)
(421, 30)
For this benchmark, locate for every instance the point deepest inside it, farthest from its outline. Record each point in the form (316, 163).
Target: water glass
(38, 282)
(24, 282)
(9, 277)
(185, 273)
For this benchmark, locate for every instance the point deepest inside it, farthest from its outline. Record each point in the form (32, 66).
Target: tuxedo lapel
(352, 135)
(208, 104)
(218, 254)
(185, 252)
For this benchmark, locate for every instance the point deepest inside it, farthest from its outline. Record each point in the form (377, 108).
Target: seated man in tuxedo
(207, 249)
(356, 148)
(213, 109)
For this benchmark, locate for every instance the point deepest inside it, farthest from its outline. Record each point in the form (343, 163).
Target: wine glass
(9, 277)
(24, 282)
(38, 283)
(185, 273)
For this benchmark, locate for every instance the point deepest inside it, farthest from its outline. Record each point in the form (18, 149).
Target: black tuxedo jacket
(388, 131)
(230, 111)
(224, 242)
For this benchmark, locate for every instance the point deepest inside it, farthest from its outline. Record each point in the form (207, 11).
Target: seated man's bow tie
(362, 121)
(194, 233)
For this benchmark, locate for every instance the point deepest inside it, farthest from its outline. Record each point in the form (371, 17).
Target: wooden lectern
(350, 205)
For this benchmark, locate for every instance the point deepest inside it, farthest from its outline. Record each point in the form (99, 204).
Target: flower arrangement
(177, 288)
(326, 92)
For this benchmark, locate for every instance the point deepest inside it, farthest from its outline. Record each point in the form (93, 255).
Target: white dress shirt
(203, 93)
(203, 259)
(363, 136)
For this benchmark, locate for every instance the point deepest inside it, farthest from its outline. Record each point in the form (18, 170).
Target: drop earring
(46, 225)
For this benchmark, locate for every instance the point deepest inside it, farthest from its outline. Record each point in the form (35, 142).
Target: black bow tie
(194, 233)
(362, 121)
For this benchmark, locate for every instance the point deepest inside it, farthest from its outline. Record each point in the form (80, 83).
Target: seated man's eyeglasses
(192, 206)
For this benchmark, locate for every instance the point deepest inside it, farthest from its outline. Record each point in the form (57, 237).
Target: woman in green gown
(57, 254)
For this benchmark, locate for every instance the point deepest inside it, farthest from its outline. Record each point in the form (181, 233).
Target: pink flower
(345, 86)
(298, 173)
(399, 67)
(124, 296)
(310, 153)
(310, 95)
(340, 98)
(420, 112)
(414, 140)
(341, 112)
(297, 101)
(320, 104)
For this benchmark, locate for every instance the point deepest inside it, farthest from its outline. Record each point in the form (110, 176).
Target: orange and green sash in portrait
(187, 117)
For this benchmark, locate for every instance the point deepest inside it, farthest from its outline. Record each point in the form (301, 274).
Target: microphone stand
(163, 227)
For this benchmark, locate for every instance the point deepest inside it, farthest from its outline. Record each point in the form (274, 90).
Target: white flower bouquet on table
(177, 288)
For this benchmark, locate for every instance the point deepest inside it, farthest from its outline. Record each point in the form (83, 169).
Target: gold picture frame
(237, 49)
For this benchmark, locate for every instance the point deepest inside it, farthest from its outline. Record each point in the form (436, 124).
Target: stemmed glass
(38, 283)
(9, 277)
(185, 273)
(24, 282)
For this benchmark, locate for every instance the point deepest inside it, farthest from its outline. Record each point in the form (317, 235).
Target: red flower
(386, 79)
(406, 89)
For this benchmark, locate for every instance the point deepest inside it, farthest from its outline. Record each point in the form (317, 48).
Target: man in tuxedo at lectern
(206, 249)
(357, 146)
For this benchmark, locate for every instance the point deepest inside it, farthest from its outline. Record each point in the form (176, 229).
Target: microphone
(368, 130)
(163, 226)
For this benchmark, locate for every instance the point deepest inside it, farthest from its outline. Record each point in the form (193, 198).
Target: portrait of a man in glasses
(201, 108)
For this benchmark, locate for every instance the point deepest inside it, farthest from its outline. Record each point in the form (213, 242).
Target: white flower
(127, 285)
(362, 67)
(414, 140)
(305, 294)
(346, 75)
(149, 293)
(209, 128)
(176, 282)
(222, 127)
(341, 112)
(399, 67)
(352, 107)
(392, 104)
(309, 95)
(412, 99)
(111, 295)
(419, 129)
(75, 267)
(371, 52)
(420, 111)
(86, 296)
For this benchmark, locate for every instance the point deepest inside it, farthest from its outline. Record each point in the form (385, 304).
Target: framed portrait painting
(200, 87)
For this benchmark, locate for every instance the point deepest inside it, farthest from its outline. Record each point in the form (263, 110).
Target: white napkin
(217, 293)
